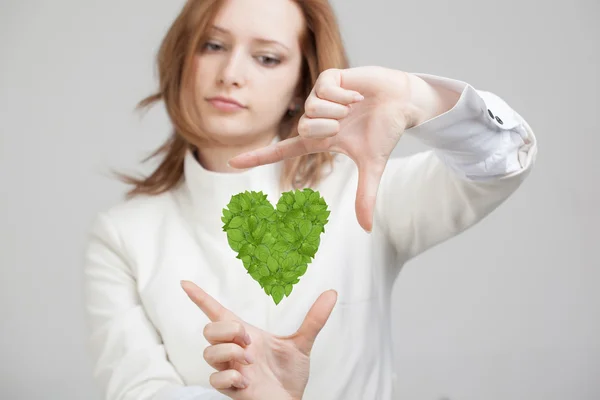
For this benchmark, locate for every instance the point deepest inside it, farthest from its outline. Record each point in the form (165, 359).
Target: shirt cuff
(480, 137)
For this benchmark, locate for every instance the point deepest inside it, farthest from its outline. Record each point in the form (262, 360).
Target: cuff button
(499, 120)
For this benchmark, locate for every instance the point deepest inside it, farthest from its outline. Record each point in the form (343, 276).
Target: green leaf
(262, 253)
(268, 240)
(295, 214)
(288, 198)
(235, 207)
(289, 276)
(252, 223)
(288, 290)
(305, 227)
(247, 249)
(301, 270)
(322, 216)
(316, 208)
(288, 263)
(264, 211)
(268, 280)
(260, 230)
(314, 196)
(247, 260)
(288, 235)
(245, 203)
(236, 222)
(256, 275)
(281, 246)
(264, 271)
(300, 198)
(235, 235)
(295, 257)
(315, 233)
(277, 293)
(307, 249)
(272, 264)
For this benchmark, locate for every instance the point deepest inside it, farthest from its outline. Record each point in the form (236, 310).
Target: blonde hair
(322, 48)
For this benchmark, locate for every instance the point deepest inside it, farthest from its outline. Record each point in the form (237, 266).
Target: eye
(212, 46)
(269, 61)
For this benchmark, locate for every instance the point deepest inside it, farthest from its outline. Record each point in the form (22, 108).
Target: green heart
(276, 244)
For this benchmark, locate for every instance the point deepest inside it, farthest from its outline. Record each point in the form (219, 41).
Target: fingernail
(245, 382)
(247, 339)
(359, 97)
(249, 358)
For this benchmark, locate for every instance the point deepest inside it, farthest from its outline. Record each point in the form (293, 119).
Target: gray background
(508, 310)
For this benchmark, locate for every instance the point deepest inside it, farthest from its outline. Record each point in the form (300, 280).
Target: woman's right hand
(253, 364)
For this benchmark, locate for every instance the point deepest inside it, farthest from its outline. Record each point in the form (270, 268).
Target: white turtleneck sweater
(146, 336)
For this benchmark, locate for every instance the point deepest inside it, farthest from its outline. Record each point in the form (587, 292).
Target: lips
(225, 102)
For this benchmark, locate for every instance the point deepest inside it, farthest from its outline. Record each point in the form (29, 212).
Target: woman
(261, 99)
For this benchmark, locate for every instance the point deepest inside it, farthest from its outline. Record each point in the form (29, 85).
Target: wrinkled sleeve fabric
(480, 152)
(129, 359)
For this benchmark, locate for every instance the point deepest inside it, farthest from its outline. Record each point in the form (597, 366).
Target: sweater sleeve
(129, 359)
(478, 157)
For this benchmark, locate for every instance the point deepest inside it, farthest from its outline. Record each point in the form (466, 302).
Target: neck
(214, 157)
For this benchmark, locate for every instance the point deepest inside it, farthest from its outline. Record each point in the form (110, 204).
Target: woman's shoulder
(141, 212)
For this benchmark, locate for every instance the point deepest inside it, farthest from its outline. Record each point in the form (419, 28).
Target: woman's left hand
(360, 112)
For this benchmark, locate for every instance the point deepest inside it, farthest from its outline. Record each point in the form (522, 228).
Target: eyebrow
(260, 40)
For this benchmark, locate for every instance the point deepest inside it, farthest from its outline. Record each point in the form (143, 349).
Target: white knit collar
(210, 191)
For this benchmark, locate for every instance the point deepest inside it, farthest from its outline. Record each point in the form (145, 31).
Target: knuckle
(227, 378)
(207, 353)
(323, 91)
(240, 330)
(335, 126)
(303, 127)
(235, 376)
(311, 108)
(207, 330)
(345, 111)
(214, 380)
(232, 348)
(237, 353)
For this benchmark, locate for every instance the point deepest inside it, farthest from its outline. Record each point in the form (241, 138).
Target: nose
(232, 72)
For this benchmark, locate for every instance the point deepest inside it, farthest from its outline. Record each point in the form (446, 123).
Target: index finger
(288, 148)
(209, 306)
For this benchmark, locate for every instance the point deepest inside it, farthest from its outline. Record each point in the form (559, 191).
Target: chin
(228, 129)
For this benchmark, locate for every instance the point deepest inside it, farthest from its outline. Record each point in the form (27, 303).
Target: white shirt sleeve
(190, 393)
(128, 356)
(480, 138)
(479, 153)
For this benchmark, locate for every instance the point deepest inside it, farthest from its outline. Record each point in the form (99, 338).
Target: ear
(296, 103)
(294, 106)
(293, 110)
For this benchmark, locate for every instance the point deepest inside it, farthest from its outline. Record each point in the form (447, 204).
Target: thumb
(369, 177)
(315, 320)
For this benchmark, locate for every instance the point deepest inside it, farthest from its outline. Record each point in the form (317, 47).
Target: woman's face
(252, 57)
